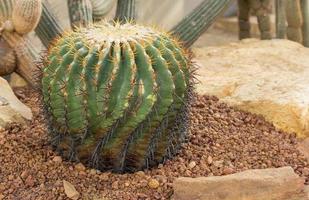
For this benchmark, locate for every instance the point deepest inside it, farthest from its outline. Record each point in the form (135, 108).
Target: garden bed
(222, 141)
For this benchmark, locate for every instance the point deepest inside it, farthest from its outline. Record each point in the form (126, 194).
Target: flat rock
(11, 109)
(263, 184)
(263, 77)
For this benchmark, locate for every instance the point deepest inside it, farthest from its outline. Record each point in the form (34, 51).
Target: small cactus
(7, 59)
(26, 15)
(116, 95)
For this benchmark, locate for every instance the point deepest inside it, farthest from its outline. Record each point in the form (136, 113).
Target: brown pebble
(57, 159)
(24, 174)
(80, 167)
(29, 181)
(192, 164)
(153, 183)
(209, 160)
(228, 170)
(115, 185)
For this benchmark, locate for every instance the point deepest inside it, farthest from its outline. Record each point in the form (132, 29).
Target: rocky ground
(222, 141)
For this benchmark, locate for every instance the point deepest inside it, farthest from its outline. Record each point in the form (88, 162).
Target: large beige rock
(264, 77)
(264, 184)
(11, 109)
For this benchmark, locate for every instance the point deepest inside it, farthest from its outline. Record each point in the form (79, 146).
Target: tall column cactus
(305, 10)
(80, 12)
(116, 95)
(49, 27)
(100, 8)
(193, 26)
(262, 10)
(125, 10)
(280, 19)
(244, 19)
(295, 20)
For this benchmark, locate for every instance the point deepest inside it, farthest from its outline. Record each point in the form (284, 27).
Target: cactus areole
(116, 96)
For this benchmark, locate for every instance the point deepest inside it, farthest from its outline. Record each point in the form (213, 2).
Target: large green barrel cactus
(116, 96)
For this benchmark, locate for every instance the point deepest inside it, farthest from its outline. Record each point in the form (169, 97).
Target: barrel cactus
(116, 96)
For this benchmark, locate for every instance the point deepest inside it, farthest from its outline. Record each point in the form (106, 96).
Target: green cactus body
(114, 94)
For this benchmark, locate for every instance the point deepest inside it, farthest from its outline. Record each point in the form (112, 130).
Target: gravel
(222, 141)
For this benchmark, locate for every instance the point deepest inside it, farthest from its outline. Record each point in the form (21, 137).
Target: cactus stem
(280, 19)
(305, 9)
(196, 23)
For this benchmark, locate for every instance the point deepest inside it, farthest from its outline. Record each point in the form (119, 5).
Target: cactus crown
(116, 95)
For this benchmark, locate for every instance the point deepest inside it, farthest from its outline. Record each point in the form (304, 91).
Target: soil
(222, 141)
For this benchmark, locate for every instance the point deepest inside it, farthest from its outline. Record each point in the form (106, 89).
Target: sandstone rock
(17, 81)
(264, 77)
(11, 109)
(264, 184)
(70, 190)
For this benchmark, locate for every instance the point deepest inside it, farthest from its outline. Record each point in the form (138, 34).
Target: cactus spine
(193, 26)
(26, 15)
(125, 10)
(49, 26)
(7, 59)
(80, 12)
(280, 19)
(305, 9)
(101, 8)
(295, 20)
(111, 90)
